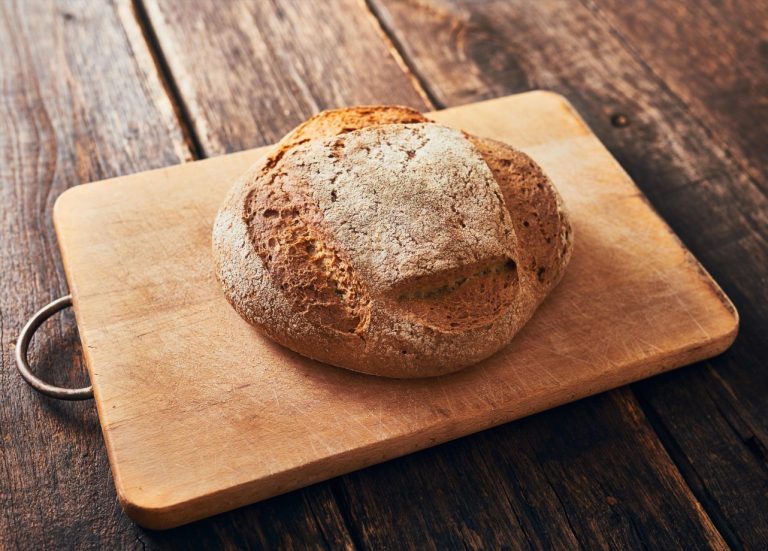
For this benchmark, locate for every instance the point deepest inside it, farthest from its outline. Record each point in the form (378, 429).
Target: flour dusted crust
(373, 239)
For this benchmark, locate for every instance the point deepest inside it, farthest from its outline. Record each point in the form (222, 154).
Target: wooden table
(91, 90)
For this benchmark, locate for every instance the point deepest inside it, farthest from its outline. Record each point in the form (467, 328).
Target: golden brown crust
(283, 269)
(340, 121)
(542, 226)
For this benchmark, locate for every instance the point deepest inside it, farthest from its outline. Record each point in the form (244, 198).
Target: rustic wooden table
(676, 90)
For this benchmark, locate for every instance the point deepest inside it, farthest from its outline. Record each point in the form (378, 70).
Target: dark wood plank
(714, 57)
(552, 480)
(80, 100)
(453, 497)
(718, 446)
(307, 519)
(256, 69)
(465, 51)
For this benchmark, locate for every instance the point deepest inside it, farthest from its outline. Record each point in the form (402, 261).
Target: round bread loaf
(373, 239)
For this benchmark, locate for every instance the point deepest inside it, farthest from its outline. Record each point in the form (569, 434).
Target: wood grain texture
(66, 116)
(717, 209)
(524, 491)
(201, 413)
(300, 520)
(80, 100)
(714, 57)
(271, 65)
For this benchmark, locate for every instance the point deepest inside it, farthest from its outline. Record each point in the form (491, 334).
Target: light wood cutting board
(201, 414)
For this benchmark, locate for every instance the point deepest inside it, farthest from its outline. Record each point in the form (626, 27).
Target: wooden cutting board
(201, 414)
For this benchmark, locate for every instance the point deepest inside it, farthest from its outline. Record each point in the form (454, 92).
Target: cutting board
(202, 414)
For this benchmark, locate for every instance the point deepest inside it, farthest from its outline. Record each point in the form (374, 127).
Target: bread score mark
(461, 299)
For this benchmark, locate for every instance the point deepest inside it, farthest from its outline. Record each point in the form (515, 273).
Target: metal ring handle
(22, 347)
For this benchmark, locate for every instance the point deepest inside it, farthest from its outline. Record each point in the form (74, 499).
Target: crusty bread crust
(374, 240)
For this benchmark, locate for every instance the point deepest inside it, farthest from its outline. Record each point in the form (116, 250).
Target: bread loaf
(373, 239)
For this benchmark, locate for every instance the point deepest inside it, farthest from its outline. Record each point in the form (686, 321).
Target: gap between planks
(398, 53)
(167, 80)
